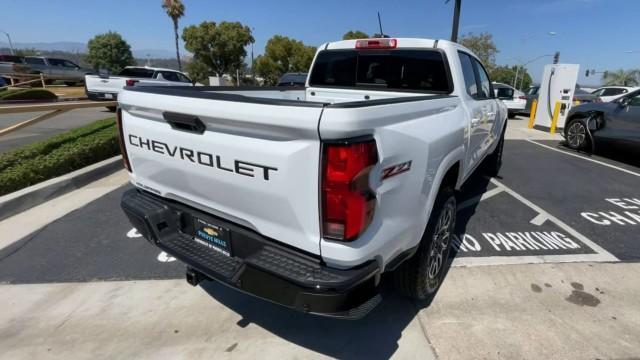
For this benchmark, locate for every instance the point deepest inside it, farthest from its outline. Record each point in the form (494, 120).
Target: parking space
(547, 206)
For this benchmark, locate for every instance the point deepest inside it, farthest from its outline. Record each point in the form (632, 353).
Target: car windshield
(411, 70)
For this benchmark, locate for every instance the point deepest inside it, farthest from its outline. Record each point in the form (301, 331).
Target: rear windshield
(137, 72)
(409, 70)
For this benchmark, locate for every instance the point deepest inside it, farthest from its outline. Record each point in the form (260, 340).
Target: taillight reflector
(383, 43)
(131, 82)
(348, 203)
(123, 149)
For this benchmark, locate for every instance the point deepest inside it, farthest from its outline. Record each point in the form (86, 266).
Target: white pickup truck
(306, 196)
(107, 87)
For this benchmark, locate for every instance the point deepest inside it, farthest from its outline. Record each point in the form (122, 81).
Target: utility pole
(10, 43)
(456, 20)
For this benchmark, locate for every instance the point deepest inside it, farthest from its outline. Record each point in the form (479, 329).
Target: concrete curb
(27, 198)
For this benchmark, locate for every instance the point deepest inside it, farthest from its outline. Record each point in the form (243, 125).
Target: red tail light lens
(130, 82)
(123, 149)
(384, 43)
(348, 203)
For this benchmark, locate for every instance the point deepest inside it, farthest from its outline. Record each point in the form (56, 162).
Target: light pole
(10, 43)
(456, 20)
(515, 79)
(253, 72)
(524, 66)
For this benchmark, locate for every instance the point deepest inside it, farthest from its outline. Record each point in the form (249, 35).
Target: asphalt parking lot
(549, 206)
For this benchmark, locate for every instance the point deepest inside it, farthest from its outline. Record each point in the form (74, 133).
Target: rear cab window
(413, 70)
(137, 72)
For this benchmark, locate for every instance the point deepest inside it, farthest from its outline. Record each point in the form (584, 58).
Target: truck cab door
(482, 108)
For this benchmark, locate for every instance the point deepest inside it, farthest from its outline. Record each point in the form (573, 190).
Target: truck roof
(150, 68)
(400, 43)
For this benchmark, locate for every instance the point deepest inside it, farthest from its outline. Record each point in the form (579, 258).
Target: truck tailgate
(254, 164)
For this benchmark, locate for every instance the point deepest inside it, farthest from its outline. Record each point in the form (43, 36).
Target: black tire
(577, 134)
(70, 83)
(112, 108)
(512, 115)
(493, 162)
(420, 276)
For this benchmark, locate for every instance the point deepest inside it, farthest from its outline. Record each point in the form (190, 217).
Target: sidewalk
(553, 311)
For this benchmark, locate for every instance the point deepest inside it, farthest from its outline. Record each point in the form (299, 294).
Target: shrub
(57, 156)
(28, 94)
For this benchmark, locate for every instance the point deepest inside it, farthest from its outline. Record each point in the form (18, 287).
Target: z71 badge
(396, 169)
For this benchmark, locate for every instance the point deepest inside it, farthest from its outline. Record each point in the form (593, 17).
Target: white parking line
(585, 158)
(477, 199)
(539, 219)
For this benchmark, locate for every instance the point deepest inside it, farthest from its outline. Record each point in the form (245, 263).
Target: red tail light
(123, 149)
(131, 82)
(522, 97)
(348, 203)
(384, 43)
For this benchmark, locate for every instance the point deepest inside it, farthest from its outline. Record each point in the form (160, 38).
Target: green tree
(354, 34)
(283, 55)
(506, 74)
(221, 47)
(622, 77)
(483, 46)
(175, 10)
(109, 51)
(198, 71)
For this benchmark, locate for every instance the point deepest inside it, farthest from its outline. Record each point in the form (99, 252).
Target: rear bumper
(98, 96)
(259, 266)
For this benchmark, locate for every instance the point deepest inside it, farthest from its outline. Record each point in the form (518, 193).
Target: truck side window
(469, 75)
(485, 83)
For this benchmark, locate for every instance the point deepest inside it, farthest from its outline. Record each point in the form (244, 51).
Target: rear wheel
(420, 276)
(493, 162)
(577, 134)
(111, 108)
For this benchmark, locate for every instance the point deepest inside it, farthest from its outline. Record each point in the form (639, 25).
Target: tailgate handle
(184, 122)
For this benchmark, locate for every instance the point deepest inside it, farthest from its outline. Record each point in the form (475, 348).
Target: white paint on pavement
(484, 196)
(538, 220)
(164, 257)
(133, 233)
(586, 158)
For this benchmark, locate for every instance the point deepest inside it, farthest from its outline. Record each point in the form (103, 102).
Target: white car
(305, 197)
(610, 93)
(515, 100)
(107, 87)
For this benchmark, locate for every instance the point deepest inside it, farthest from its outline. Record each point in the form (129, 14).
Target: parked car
(515, 100)
(107, 87)
(293, 79)
(308, 202)
(57, 69)
(11, 66)
(616, 122)
(579, 97)
(610, 93)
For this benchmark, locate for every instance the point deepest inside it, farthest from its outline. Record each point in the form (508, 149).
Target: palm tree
(175, 10)
(622, 77)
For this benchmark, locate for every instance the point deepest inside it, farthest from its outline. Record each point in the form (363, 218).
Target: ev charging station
(556, 89)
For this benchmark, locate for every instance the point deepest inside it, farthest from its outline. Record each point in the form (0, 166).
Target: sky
(597, 34)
